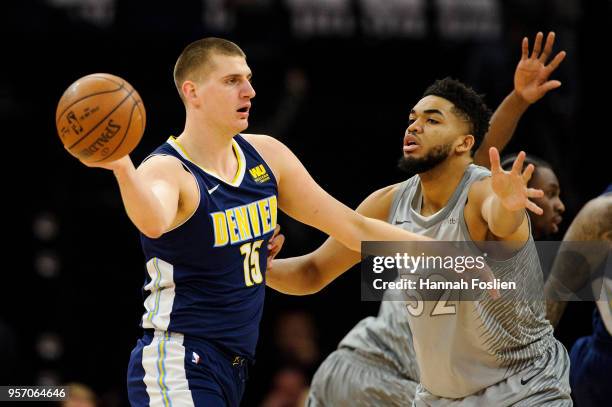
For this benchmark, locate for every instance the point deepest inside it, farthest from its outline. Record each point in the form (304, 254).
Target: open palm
(531, 75)
(511, 186)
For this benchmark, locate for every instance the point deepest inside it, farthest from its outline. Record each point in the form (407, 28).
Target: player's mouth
(556, 220)
(243, 111)
(410, 143)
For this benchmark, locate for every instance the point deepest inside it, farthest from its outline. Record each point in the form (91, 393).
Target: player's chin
(554, 228)
(411, 154)
(242, 125)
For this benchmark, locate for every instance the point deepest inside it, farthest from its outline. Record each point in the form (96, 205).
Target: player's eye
(432, 121)
(410, 121)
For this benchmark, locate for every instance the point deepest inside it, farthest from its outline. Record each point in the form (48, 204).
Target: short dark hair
(467, 104)
(195, 59)
(508, 160)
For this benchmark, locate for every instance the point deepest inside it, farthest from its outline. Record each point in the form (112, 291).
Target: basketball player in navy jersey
(206, 204)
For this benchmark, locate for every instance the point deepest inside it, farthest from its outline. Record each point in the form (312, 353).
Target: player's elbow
(357, 228)
(152, 231)
(316, 283)
(152, 234)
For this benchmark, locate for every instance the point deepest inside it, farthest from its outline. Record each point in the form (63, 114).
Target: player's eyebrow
(434, 111)
(429, 111)
(238, 75)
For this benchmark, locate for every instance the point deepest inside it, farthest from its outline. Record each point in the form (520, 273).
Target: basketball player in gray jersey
(474, 353)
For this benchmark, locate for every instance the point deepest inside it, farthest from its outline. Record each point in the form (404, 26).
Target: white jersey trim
(159, 302)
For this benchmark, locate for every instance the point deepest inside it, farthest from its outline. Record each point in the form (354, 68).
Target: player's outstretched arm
(304, 200)
(503, 198)
(310, 273)
(531, 83)
(150, 193)
(572, 270)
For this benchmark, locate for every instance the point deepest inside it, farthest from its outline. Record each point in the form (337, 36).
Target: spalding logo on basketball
(100, 118)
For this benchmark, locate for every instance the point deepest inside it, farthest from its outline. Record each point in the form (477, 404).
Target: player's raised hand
(532, 73)
(511, 186)
(275, 244)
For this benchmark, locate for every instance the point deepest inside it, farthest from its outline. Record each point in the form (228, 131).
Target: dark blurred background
(335, 80)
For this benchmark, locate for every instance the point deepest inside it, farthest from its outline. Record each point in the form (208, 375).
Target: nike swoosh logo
(213, 189)
(525, 381)
(399, 222)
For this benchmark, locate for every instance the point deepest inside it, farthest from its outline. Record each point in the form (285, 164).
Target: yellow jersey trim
(239, 154)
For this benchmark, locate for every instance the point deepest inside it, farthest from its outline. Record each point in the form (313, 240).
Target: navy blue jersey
(206, 277)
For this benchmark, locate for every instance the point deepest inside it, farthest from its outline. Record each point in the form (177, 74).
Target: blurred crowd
(335, 81)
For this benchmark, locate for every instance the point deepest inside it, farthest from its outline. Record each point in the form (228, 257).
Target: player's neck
(210, 148)
(439, 183)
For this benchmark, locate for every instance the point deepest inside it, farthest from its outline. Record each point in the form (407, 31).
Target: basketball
(100, 118)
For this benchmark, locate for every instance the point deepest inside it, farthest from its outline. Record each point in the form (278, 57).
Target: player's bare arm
(496, 205)
(593, 222)
(531, 83)
(310, 273)
(158, 195)
(304, 200)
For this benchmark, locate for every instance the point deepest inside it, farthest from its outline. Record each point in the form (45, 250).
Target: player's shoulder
(596, 210)
(262, 141)
(599, 205)
(378, 203)
(161, 165)
(479, 190)
(271, 149)
(593, 222)
(385, 193)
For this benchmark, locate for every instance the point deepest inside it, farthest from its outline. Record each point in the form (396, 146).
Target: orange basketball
(100, 118)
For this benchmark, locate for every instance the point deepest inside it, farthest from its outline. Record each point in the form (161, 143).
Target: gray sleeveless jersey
(469, 345)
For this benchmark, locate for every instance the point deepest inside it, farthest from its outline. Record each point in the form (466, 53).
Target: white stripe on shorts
(163, 361)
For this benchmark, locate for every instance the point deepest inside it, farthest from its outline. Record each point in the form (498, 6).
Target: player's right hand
(511, 187)
(275, 244)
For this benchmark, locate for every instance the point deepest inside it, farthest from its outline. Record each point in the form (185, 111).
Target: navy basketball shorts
(169, 370)
(591, 366)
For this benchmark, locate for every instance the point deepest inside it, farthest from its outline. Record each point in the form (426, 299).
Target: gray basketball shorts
(347, 378)
(544, 383)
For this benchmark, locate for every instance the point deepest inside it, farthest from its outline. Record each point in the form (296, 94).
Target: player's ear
(189, 90)
(466, 143)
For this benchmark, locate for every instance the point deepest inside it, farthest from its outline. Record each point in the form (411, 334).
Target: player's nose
(249, 90)
(414, 127)
(559, 205)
